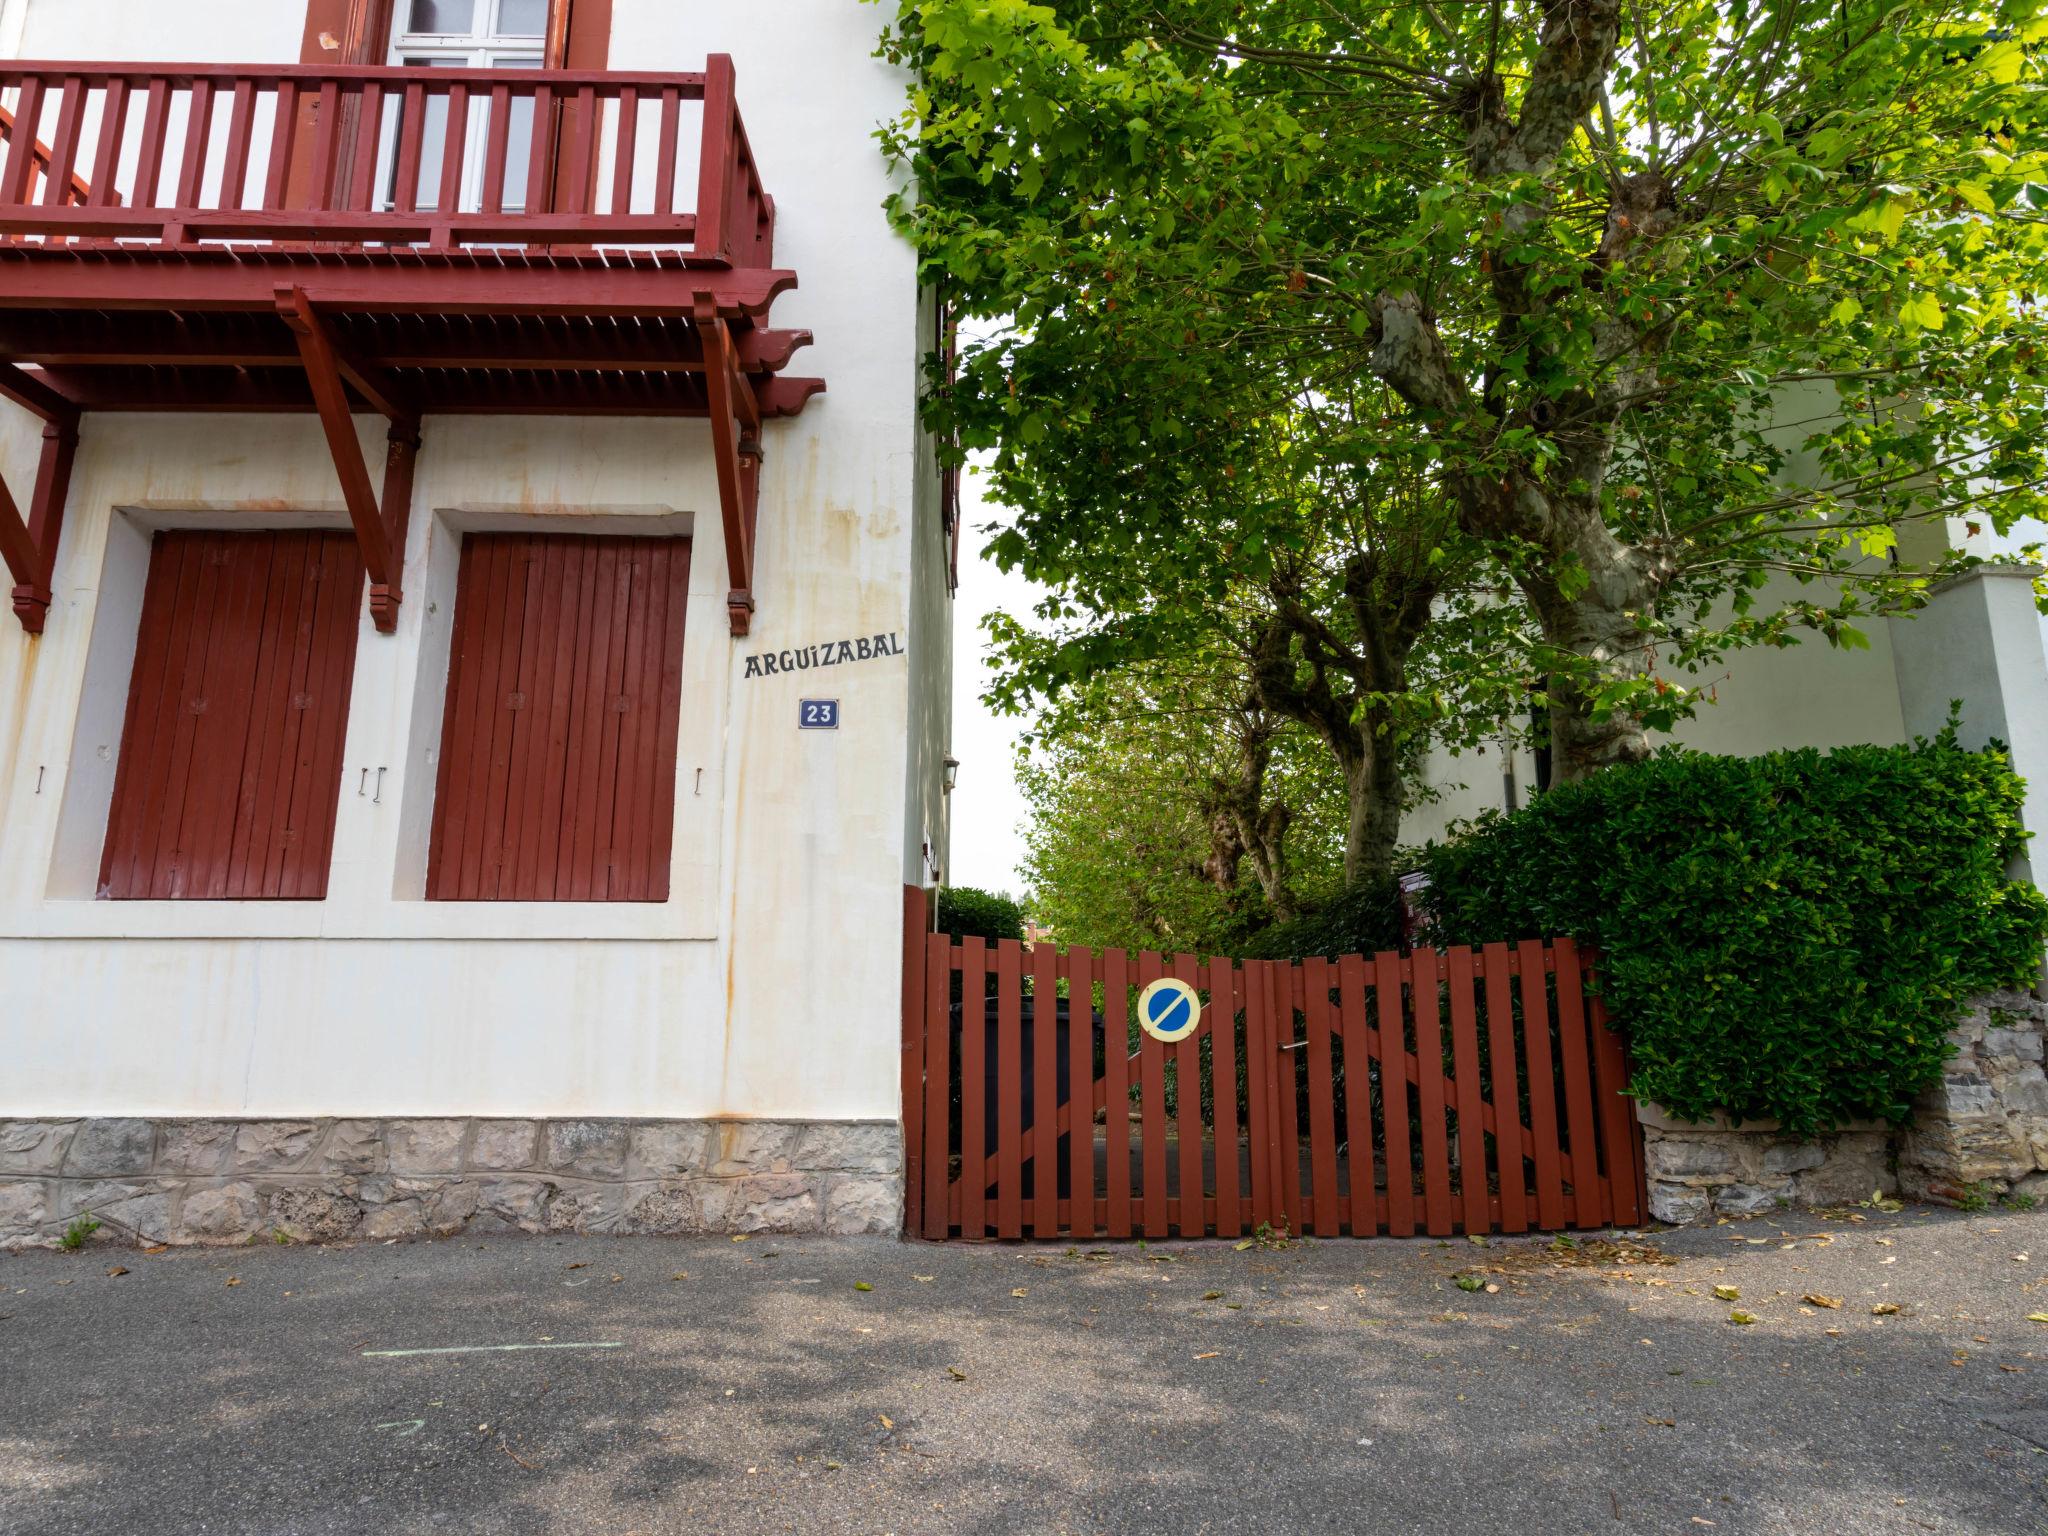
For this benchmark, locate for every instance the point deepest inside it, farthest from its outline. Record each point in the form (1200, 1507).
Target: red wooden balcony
(403, 241)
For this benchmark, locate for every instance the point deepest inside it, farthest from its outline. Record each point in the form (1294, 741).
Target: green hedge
(1787, 937)
(966, 912)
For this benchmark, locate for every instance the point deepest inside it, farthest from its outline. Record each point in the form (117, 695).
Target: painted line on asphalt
(477, 1349)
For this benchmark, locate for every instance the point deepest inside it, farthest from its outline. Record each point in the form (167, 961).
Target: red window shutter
(558, 745)
(230, 760)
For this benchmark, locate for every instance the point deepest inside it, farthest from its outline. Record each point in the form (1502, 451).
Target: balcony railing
(440, 159)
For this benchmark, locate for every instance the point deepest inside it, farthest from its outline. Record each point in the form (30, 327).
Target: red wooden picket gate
(1467, 1090)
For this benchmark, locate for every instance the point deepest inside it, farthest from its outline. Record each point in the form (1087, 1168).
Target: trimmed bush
(1787, 937)
(966, 912)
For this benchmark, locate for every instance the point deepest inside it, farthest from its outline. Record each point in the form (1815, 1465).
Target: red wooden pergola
(302, 238)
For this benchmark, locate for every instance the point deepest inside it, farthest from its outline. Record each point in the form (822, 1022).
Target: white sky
(989, 812)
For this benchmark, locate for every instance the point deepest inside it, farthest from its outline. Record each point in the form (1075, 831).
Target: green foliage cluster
(968, 912)
(1360, 921)
(1788, 936)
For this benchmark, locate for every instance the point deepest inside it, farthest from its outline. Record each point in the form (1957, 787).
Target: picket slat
(1116, 1087)
(1426, 969)
(1399, 1133)
(1080, 972)
(1045, 1081)
(1589, 1205)
(1009, 1089)
(1617, 1117)
(973, 1088)
(1306, 1176)
(938, 1080)
(1152, 1113)
(1358, 1158)
(1322, 1099)
(1187, 1119)
(1471, 1109)
(1507, 1110)
(1226, 998)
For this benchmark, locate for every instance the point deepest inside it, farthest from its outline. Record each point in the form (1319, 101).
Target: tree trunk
(1372, 785)
(1604, 626)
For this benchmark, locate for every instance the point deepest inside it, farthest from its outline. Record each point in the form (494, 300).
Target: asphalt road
(753, 1386)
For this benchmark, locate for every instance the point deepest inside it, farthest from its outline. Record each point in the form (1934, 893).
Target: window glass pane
(443, 16)
(518, 152)
(522, 18)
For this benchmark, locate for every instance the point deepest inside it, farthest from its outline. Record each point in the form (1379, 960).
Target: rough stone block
(666, 1149)
(274, 1146)
(195, 1146)
(774, 1202)
(229, 1213)
(450, 1207)
(1793, 1156)
(352, 1146)
(2012, 1044)
(396, 1218)
(1966, 1097)
(23, 1211)
(587, 1208)
(856, 1205)
(424, 1146)
(1696, 1156)
(1677, 1203)
(505, 1146)
(34, 1146)
(520, 1203)
(2025, 1093)
(589, 1149)
(741, 1147)
(315, 1213)
(853, 1146)
(103, 1148)
(675, 1208)
(1747, 1199)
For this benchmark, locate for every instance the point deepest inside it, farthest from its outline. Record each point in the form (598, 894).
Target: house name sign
(827, 653)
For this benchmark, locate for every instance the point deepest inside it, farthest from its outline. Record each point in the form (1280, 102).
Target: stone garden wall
(227, 1181)
(1980, 1133)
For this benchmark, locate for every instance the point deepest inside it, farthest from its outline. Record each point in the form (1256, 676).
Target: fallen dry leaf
(2037, 1317)
(1020, 1292)
(1213, 1354)
(956, 1373)
(1815, 1299)
(1728, 1292)
(234, 1279)
(580, 1264)
(924, 1279)
(1662, 1423)
(1885, 1309)
(118, 1269)
(1212, 1295)
(158, 1248)
(1741, 1319)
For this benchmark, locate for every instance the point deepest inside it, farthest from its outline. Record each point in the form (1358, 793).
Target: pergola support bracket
(380, 522)
(30, 546)
(736, 455)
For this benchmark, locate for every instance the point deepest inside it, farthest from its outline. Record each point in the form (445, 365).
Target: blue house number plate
(818, 715)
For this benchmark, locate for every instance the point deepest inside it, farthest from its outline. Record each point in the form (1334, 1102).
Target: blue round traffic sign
(1169, 1010)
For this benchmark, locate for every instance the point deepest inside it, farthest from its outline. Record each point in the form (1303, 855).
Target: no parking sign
(1169, 1010)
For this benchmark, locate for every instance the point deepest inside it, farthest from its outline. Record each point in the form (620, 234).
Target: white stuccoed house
(476, 686)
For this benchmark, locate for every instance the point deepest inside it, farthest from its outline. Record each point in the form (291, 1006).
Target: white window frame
(482, 48)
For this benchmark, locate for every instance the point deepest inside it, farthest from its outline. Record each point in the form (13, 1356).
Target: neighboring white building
(666, 1001)
(1978, 642)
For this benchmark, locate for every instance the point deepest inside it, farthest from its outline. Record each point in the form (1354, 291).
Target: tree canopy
(1649, 301)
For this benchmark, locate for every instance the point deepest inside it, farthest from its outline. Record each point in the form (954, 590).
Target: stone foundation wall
(1978, 1134)
(1983, 1130)
(227, 1181)
(1715, 1169)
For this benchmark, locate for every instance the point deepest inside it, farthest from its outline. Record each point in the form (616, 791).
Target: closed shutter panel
(558, 745)
(231, 754)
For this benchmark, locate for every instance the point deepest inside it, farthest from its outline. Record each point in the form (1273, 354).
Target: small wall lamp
(951, 772)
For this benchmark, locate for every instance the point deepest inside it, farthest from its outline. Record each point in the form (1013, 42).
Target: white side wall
(767, 985)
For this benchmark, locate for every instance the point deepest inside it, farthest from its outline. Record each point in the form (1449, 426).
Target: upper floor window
(468, 34)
